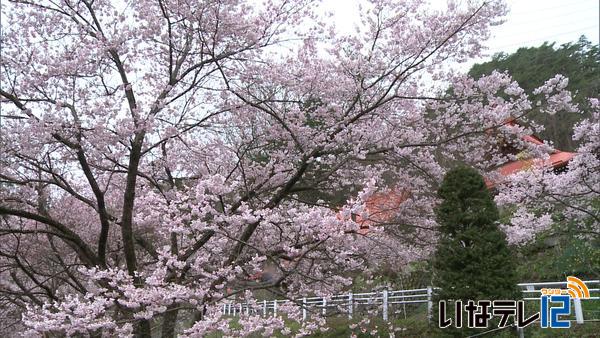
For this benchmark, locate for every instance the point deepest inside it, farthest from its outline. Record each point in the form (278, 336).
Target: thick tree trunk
(143, 329)
(169, 321)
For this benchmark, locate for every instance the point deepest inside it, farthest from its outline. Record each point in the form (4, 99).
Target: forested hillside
(531, 67)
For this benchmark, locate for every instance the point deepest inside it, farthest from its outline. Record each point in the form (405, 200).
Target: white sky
(528, 24)
(532, 22)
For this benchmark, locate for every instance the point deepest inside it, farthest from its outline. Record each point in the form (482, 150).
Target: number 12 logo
(551, 318)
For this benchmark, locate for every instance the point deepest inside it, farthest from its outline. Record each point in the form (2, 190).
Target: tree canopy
(157, 156)
(530, 67)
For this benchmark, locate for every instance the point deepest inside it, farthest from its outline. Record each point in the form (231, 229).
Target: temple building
(382, 206)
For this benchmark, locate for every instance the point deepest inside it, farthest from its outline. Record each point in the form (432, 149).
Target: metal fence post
(264, 308)
(324, 306)
(385, 304)
(304, 308)
(429, 303)
(275, 307)
(247, 308)
(578, 310)
(350, 305)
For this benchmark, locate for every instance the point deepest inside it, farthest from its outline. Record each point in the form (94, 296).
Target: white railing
(532, 291)
(385, 300)
(344, 303)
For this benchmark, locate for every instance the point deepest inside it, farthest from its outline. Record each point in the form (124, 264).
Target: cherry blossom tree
(158, 156)
(572, 196)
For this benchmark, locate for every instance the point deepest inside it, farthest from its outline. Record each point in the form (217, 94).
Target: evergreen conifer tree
(473, 261)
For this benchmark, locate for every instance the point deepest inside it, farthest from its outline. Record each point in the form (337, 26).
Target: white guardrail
(387, 300)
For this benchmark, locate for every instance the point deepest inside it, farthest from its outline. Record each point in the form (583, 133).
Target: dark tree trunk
(143, 329)
(169, 320)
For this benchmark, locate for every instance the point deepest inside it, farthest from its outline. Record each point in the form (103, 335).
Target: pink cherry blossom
(161, 158)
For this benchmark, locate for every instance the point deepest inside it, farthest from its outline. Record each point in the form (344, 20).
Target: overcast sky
(531, 22)
(528, 24)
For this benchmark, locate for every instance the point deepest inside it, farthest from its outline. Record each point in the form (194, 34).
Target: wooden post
(264, 308)
(275, 307)
(385, 304)
(324, 306)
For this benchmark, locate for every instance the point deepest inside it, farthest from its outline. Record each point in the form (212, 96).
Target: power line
(570, 4)
(559, 17)
(545, 38)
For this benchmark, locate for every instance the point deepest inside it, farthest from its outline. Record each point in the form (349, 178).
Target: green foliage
(310, 107)
(531, 67)
(472, 260)
(466, 202)
(560, 252)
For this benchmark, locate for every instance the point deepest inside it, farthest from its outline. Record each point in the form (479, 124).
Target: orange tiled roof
(558, 159)
(381, 207)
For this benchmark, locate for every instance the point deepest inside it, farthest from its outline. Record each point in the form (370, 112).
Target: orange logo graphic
(577, 288)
